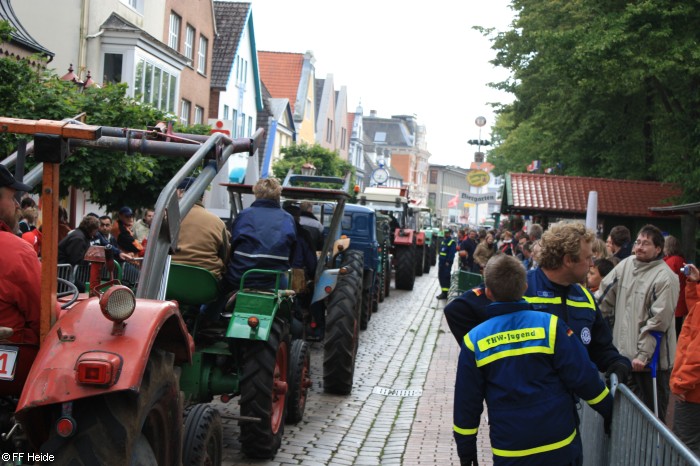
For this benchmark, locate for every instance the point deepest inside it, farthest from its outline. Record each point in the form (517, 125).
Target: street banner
(478, 198)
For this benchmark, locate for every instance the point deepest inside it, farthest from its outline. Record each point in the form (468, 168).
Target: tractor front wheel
(299, 380)
(203, 440)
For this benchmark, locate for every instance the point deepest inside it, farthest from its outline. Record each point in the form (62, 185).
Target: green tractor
(326, 305)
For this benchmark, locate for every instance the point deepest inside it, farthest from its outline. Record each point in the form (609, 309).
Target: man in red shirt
(20, 272)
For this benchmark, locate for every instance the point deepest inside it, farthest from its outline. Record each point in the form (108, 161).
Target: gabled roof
(117, 25)
(281, 73)
(231, 19)
(534, 193)
(19, 35)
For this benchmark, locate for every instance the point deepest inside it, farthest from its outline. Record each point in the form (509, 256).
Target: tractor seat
(191, 285)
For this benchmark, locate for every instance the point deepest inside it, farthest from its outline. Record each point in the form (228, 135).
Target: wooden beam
(58, 128)
(49, 247)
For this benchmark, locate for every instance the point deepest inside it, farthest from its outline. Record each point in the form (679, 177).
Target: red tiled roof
(281, 73)
(569, 194)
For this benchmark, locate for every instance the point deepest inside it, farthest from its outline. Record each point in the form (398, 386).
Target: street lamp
(308, 169)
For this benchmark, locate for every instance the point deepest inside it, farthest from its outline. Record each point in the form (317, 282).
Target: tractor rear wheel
(342, 327)
(126, 427)
(264, 387)
(405, 268)
(299, 380)
(203, 437)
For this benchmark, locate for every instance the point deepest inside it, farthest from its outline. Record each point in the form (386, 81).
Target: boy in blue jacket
(528, 366)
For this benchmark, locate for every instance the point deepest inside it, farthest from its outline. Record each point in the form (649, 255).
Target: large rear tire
(342, 327)
(264, 392)
(299, 380)
(405, 268)
(126, 427)
(203, 438)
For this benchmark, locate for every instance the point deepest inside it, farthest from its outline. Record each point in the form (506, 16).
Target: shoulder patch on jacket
(477, 291)
(569, 332)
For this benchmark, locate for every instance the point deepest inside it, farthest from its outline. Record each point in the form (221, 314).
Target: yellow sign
(478, 178)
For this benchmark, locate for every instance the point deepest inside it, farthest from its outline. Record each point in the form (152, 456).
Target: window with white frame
(112, 67)
(189, 42)
(241, 129)
(185, 112)
(226, 112)
(235, 123)
(155, 85)
(174, 35)
(198, 115)
(202, 55)
(250, 126)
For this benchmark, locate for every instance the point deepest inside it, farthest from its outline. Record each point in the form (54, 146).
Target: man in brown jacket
(204, 240)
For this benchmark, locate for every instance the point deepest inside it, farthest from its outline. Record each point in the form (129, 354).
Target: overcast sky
(400, 57)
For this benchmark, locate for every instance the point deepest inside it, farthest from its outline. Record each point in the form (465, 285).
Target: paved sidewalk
(431, 440)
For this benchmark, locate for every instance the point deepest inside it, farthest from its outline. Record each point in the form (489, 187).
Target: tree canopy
(602, 88)
(113, 179)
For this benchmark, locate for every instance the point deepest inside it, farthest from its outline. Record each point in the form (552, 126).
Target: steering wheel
(73, 290)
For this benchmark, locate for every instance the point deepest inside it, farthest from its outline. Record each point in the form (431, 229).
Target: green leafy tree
(113, 179)
(604, 88)
(327, 162)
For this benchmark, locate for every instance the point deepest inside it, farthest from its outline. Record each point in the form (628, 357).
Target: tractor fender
(420, 239)
(403, 237)
(326, 284)
(84, 330)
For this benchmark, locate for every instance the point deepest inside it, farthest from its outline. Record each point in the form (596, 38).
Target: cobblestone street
(400, 408)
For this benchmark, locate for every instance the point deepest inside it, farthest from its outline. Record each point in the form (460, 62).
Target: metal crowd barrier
(638, 438)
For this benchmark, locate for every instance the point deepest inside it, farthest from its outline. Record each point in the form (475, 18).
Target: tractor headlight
(118, 303)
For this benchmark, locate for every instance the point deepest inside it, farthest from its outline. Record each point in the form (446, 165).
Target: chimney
(372, 113)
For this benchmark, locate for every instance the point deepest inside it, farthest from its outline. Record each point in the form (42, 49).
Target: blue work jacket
(573, 304)
(576, 306)
(262, 237)
(527, 366)
(448, 248)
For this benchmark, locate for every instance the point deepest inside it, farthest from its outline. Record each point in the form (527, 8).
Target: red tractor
(407, 242)
(103, 386)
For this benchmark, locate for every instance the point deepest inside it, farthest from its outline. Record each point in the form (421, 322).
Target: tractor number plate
(8, 358)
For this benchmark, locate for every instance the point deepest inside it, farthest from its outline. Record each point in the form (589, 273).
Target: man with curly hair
(555, 286)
